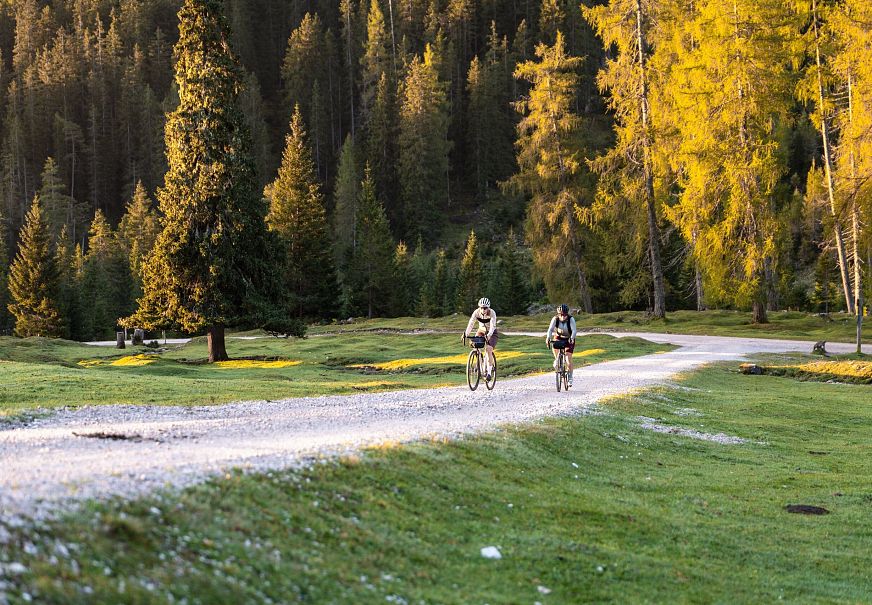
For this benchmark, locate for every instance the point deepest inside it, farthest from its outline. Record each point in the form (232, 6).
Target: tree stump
(119, 340)
(138, 337)
(820, 348)
(751, 368)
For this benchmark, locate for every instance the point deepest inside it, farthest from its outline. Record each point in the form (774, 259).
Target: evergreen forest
(405, 157)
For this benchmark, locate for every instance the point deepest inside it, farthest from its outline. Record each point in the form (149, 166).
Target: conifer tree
(346, 197)
(381, 148)
(549, 163)
(5, 317)
(67, 258)
(376, 59)
(33, 280)
(60, 208)
(138, 232)
(626, 77)
(512, 284)
(213, 263)
(423, 148)
(298, 217)
(106, 281)
(372, 263)
(406, 286)
(469, 279)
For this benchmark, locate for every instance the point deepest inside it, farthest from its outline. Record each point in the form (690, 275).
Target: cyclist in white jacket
(487, 327)
(563, 328)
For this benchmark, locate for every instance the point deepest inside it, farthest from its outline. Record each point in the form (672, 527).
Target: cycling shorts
(570, 346)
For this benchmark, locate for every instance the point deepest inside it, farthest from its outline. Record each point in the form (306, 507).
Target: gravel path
(128, 450)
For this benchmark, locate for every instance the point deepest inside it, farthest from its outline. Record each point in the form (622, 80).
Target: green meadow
(43, 374)
(592, 508)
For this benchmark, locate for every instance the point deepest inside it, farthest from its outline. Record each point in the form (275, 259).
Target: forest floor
(682, 491)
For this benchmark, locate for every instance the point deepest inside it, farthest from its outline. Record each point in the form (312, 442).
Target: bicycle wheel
(473, 369)
(493, 377)
(565, 379)
(559, 372)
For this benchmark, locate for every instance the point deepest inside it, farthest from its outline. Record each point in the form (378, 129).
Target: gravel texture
(94, 452)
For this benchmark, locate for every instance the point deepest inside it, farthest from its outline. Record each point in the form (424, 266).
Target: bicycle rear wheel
(473, 369)
(493, 377)
(565, 379)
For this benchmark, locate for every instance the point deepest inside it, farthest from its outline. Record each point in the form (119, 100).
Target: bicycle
(475, 363)
(561, 374)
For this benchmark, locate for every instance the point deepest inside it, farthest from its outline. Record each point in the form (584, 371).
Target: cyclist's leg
(491, 345)
(570, 349)
(489, 359)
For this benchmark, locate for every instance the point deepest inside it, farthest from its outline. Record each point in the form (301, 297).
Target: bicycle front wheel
(493, 377)
(473, 369)
(559, 373)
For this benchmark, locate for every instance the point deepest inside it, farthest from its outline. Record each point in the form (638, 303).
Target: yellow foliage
(399, 364)
(134, 361)
(246, 364)
(131, 361)
(590, 352)
(854, 369)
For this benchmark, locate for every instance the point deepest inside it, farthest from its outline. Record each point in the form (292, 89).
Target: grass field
(585, 509)
(40, 373)
(794, 325)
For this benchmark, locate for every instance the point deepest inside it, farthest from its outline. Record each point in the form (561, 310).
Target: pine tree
(346, 198)
(469, 279)
(213, 263)
(298, 217)
(549, 164)
(138, 232)
(60, 208)
(5, 317)
(512, 277)
(106, 281)
(423, 149)
(372, 262)
(381, 148)
(405, 284)
(67, 260)
(33, 280)
(376, 59)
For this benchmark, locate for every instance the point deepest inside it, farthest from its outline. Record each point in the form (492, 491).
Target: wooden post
(119, 340)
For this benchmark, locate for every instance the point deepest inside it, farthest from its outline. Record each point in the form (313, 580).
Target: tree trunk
(828, 168)
(653, 229)
(215, 340)
(697, 282)
(583, 289)
(855, 228)
(758, 313)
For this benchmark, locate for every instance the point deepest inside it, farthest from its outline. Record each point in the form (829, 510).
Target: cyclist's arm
(493, 324)
(572, 326)
(551, 328)
(469, 325)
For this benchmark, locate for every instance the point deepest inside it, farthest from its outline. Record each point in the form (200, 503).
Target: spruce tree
(371, 272)
(512, 276)
(298, 217)
(33, 279)
(346, 199)
(60, 209)
(106, 281)
(406, 285)
(138, 232)
(469, 279)
(67, 261)
(423, 149)
(213, 263)
(5, 317)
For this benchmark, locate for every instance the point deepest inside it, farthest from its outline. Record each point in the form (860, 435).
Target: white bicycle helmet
(484, 302)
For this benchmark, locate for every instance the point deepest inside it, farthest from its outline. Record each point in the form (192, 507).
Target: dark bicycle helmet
(564, 308)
